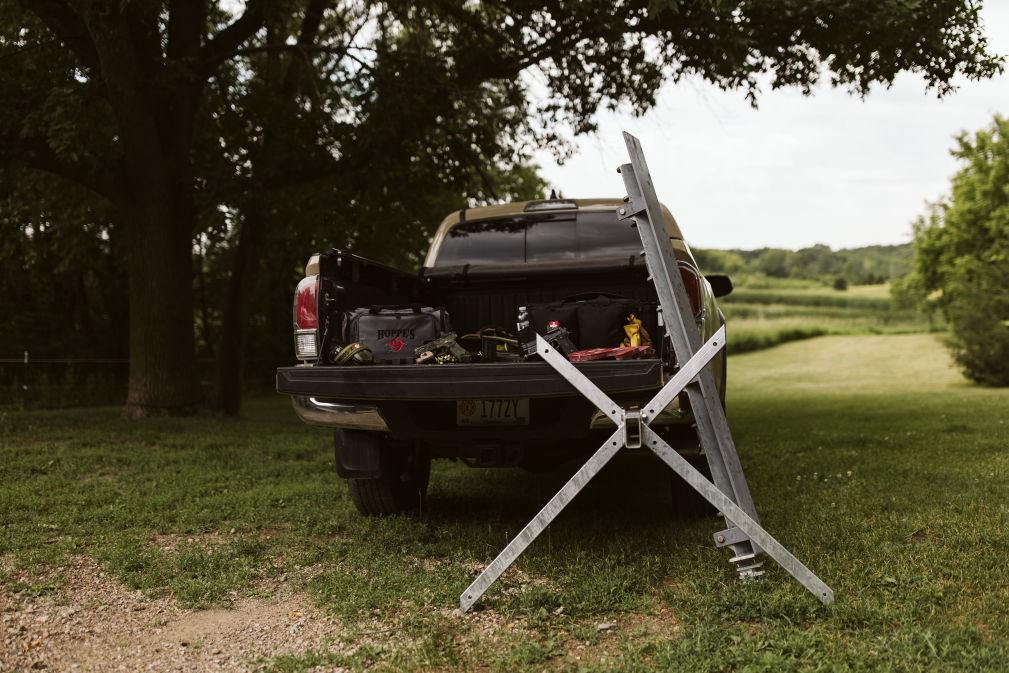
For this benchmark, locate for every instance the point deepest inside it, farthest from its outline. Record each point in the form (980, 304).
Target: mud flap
(358, 454)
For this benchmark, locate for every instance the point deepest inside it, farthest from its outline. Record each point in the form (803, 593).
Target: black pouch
(544, 317)
(594, 319)
(393, 332)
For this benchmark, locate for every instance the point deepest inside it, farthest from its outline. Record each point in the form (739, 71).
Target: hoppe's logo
(396, 333)
(396, 345)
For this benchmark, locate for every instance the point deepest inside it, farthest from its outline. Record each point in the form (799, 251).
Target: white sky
(829, 168)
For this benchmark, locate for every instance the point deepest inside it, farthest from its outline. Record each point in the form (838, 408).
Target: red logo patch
(396, 345)
(554, 323)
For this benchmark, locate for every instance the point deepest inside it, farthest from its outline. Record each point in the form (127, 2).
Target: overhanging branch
(232, 37)
(288, 47)
(42, 157)
(69, 28)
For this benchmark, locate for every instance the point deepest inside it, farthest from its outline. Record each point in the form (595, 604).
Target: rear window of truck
(539, 238)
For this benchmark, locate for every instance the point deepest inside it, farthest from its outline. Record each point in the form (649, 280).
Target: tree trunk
(157, 212)
(226, 396)
(163, 373)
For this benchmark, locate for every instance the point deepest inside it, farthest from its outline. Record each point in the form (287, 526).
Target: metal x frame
(729, 492)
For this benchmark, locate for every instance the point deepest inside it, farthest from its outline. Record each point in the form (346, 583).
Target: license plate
(492, 412)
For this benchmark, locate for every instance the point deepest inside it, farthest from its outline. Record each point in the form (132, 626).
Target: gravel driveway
(94, 624)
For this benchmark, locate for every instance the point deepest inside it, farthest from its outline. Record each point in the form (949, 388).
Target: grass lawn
(868, 456)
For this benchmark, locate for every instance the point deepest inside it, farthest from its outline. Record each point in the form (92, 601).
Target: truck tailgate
(463, 381)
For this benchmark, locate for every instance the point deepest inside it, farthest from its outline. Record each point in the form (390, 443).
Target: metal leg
(542, 520)
(712, 428)
(736, 515)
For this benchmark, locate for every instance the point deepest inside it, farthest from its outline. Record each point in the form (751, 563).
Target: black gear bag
(393, 332)
(593, 319)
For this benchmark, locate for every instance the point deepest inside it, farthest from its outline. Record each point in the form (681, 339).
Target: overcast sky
(829, 168)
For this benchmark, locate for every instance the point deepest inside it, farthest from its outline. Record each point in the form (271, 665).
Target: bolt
(623, 211)
(721, 538)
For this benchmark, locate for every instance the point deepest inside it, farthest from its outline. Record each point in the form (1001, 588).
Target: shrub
(979, 317)
(962, 250)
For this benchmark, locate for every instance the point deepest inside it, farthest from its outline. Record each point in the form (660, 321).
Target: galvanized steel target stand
(729, 492)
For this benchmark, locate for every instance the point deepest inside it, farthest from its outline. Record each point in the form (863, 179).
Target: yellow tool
(636, 334)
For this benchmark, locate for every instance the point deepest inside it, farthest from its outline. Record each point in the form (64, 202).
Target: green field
(774, 311)
(868, 456)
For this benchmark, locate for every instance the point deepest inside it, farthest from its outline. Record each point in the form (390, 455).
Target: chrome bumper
(332, 414)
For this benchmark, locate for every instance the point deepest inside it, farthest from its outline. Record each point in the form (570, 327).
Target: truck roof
(541, 205)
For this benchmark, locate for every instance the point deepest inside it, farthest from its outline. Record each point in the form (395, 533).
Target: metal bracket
(633, 207)
(632, 429)
(729, 493)
(729, 536)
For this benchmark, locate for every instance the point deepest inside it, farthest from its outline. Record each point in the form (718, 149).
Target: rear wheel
(403, 482)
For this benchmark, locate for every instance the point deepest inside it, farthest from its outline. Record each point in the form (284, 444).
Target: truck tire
(401, 484)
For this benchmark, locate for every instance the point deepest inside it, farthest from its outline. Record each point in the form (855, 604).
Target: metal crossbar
(590, 469)
(729, 492)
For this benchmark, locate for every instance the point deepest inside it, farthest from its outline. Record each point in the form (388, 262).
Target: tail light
(692, 283)
(306, 319)
(306, 305)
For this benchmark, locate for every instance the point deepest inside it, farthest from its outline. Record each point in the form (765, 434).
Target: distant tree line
(871, 265)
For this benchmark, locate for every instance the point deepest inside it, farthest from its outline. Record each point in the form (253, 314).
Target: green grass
(789, 310)
(913, 542)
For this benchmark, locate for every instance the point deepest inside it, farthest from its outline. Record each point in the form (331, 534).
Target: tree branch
(309, 32)
(229, 39)
(69, 28)
(288, 47)
(42, 157)
(186, 21)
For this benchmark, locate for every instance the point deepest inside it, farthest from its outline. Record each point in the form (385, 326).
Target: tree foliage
(962, 253)
(63, 289)
(257, 137)
(871, 265)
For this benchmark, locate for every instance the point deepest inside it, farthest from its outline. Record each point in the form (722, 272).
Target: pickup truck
(483, 266)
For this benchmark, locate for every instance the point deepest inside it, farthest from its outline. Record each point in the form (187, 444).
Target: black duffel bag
(593, 319)
(393, 332)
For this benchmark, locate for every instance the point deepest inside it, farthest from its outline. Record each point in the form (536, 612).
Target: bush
(979, 317)
(840, 283)
(962, 251)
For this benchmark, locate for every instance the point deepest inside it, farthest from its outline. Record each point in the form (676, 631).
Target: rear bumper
(334, 413)
(330, 413)
(418, 403)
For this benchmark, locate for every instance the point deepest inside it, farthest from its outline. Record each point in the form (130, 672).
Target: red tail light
(306, 311)
(692, 283)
